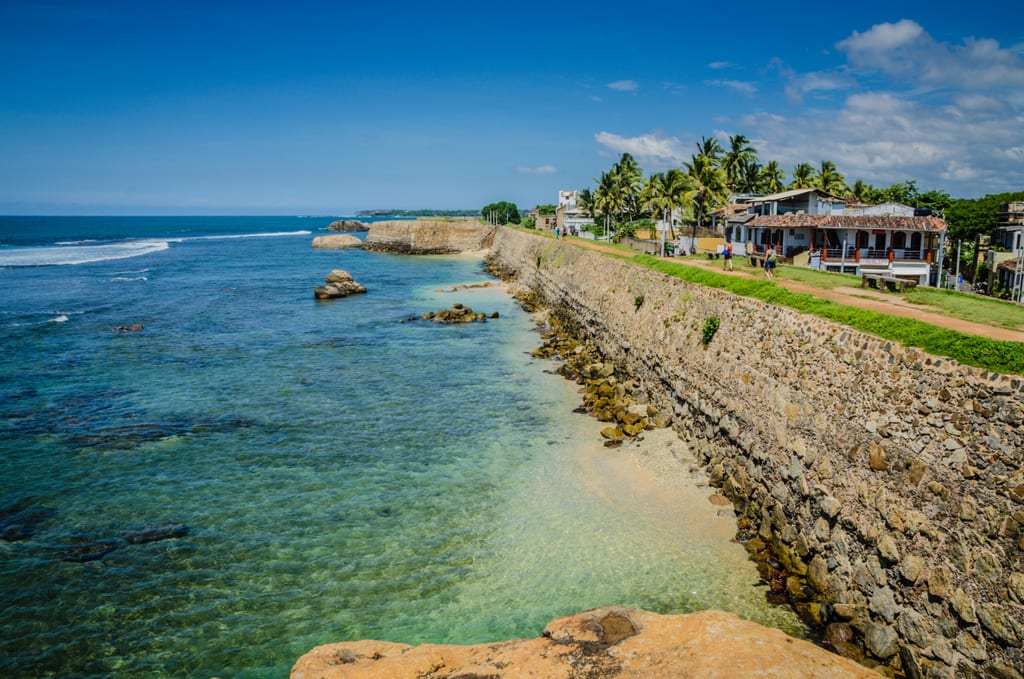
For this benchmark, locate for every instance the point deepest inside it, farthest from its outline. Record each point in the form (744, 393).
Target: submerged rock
(608, 642)
(18, 519)
(339, 283)
(89, 552)
(154, 533)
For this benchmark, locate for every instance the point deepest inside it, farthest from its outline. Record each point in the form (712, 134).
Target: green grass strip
(994, 355)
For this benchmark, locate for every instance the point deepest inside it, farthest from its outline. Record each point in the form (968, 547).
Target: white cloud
(882, 38)
(743, 87)
(624, 85)
(949, 116)
(542, 169)
(905, 52)
(661, 150)
(719, 65)
(802, 84)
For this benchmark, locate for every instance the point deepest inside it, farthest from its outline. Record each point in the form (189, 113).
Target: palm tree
(585, 201)
(772, 178)
(749, 180)
(862, 191)
(608, 198)
(803, 177)
(740, 153)
(710, 184)
(630, 179)
(652, 197)
(663, 194)
(710, 148)
(829, 179)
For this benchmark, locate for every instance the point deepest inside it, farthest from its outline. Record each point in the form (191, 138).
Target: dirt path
(855, 297)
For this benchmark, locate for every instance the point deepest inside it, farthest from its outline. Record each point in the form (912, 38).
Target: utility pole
(1017, 294)
(956, 274)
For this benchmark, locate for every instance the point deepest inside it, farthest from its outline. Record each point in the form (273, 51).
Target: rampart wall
(888, 482)
(429, 236)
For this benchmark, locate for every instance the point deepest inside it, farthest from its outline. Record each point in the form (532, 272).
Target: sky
(328, 108)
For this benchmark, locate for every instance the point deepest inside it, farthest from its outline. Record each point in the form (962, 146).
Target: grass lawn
(970, 307)
(994, 355)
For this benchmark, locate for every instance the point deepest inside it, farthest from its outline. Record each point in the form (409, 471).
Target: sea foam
(79, 254)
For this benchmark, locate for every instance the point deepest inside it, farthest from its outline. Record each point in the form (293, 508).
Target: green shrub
(710, 328)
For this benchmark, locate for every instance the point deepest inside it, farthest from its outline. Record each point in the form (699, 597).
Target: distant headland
(418, 213)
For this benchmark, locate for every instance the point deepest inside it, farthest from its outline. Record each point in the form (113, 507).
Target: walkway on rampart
(855, 297)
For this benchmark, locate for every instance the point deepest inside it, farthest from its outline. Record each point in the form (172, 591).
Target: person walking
(727, 257)
(769, 264)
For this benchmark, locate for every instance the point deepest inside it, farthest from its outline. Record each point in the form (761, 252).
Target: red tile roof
(866, 222)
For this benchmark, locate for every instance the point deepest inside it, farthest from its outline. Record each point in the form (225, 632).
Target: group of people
(770, 260)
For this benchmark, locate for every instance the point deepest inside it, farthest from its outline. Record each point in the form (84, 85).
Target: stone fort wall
(886, 481)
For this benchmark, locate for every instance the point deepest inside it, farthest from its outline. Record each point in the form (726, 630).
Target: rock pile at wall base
(607, 642)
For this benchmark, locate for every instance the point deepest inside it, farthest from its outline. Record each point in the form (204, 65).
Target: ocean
(334, 470)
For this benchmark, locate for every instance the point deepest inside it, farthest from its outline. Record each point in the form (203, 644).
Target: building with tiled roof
(813, 228)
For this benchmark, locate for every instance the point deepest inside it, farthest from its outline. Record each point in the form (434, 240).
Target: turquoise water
(343, 475)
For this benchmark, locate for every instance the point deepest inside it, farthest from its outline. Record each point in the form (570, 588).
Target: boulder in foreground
(337, 242)
(338, 284)
(606, 642)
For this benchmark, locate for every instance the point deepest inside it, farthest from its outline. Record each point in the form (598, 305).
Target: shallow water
(343, 475)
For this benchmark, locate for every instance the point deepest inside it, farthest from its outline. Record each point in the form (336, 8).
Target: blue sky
(328, 108)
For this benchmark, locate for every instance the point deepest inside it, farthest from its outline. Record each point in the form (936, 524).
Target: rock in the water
(18, 519)
(347, 225)
(338, 242)
(459, 313)
(154, 533)
(339, 283)
(89, 552)
(607, 642)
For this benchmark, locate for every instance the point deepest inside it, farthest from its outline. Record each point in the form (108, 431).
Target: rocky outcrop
(604, 643)
(338, 284)
(458, 313)
(887, 484)
(430, 236)
(347, 225)
(337, 242)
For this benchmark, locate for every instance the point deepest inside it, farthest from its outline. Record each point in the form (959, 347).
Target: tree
(830, 180)
(502, 212)
(772, 178)
(663, 194)
(585, 201)
(967, 218)
(739, 155)
(863, 192)
(803, 177)
(709, 182)
(936, 201)
(749, 180)
(630, 179)
(546, 209)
